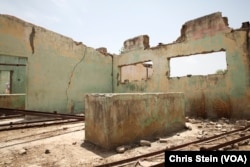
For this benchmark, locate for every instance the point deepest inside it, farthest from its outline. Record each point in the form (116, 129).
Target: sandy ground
(63, 145)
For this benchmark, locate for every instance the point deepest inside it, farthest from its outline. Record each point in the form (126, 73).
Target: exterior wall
(116, 119)
(59, 71)
(14, 101)
(137, 43)
(218, 95)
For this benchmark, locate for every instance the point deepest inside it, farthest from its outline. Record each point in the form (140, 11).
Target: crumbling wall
(204, 26)
(119, 119)
(59, 70)
(218, 95)
(136, 43)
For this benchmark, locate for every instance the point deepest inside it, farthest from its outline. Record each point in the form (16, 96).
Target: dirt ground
(63, 145)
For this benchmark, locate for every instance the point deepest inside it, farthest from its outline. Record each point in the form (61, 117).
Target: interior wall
(218, 95)
(59, 71)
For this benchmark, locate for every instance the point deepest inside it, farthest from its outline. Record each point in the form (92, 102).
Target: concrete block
(113, 120)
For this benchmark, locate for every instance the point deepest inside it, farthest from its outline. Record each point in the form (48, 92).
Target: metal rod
(226, 144)
(30, 122)
(40, 113)
(207, 139)
(39, 125)
(169, 149)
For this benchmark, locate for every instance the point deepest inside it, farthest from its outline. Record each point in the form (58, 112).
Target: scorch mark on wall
(32, 36)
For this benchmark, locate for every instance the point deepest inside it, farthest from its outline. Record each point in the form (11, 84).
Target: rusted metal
(11, 116)
(43, 124)
(29, 122)
(216, 147)
(133, 159)
(40, 113)
(57, 119)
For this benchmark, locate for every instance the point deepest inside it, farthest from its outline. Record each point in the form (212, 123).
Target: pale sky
(108, 23)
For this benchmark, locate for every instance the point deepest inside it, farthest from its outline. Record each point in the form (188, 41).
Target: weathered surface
(204, 26)
(59, 70)
(16, 67)
(15, 101)
(112, 120)
(102, 50)
(137, 43)
(218, 95)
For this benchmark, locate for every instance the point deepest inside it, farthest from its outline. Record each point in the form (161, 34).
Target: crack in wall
(32, 36)
(70, 80)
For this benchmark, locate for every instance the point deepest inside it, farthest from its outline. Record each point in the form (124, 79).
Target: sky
(199, 64)
(108, 23)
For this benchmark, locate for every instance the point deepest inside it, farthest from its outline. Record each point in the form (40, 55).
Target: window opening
(136, 72)
(199, 64)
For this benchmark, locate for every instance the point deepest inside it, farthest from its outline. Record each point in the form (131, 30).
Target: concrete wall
(59, 71)
(115, 119)
(226, 95)
(15, 101)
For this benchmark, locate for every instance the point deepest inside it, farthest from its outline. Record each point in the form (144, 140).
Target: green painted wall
(59, 71)
(225, 95)
(4, 81)
(17, 73)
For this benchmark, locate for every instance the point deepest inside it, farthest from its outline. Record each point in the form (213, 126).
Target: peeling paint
(70, 104)
(56, 79)
(206, 34)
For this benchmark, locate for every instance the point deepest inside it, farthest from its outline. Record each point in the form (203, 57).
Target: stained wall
(59, 71)
(113, 120)
(218, 95)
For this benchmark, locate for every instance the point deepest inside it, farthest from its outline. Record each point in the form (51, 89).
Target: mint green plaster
(234, 84)
(18, 73)
(59, 72)
(17, 47)
(238, 75)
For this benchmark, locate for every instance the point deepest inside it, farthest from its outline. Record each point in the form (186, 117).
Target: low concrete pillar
(112, 120)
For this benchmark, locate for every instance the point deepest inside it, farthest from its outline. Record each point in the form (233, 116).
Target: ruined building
(50, 72)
